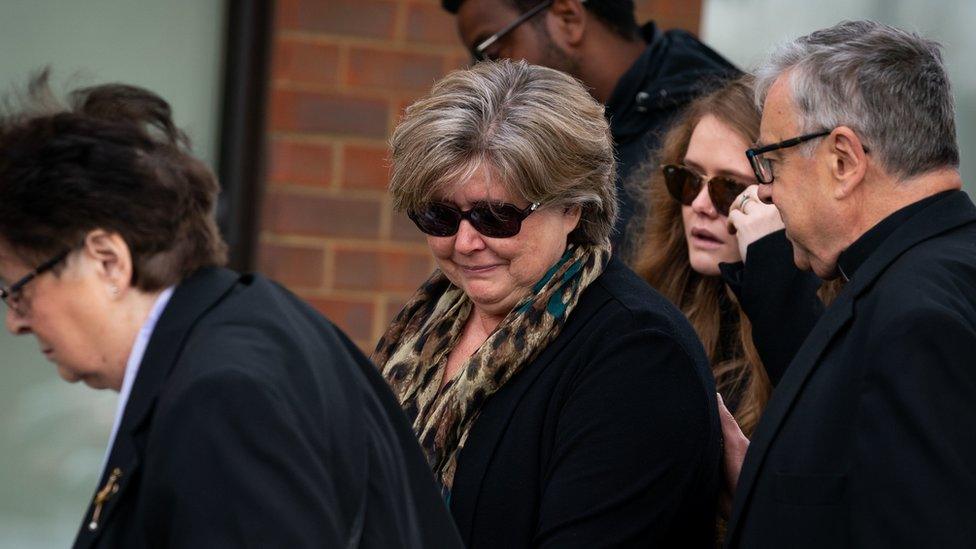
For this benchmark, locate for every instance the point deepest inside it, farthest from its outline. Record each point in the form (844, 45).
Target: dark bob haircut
(112, 159)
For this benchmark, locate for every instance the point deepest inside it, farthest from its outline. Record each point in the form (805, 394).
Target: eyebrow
(722, 172)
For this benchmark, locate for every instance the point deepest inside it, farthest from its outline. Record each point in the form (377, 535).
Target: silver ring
(742, 202)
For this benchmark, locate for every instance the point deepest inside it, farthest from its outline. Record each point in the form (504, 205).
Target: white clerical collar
(132, 365)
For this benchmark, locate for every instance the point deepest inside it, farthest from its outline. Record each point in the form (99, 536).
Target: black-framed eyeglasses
(492, 219)
(684, 185)
(762, 167)
(12, 295)
(482, 47)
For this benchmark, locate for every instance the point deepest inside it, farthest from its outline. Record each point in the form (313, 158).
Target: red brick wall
(342, 72)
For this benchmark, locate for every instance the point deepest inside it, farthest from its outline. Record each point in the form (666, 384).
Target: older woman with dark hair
(245, 418)
(560, 400)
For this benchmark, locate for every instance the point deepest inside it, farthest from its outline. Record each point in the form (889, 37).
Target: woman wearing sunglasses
(560, 400)
(705, 222)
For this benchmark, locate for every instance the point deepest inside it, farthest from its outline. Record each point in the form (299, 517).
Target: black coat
(779, 299)
(868, 439)
(609, 438)
(253, 422)
(674, 69)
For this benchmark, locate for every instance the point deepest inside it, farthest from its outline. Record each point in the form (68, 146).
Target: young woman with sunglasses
(560, 400)
(704, 222)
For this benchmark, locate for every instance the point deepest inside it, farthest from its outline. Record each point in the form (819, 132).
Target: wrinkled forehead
(780, 118)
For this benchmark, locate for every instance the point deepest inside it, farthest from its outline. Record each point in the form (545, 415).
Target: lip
(478, 269)
(703, 238)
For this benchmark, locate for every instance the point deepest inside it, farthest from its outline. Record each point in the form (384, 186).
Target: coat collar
(191, 299)
(674, 68)
(945, 214)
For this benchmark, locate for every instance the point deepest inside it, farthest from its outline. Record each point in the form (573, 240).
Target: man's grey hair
(889, 85)
(537, 130)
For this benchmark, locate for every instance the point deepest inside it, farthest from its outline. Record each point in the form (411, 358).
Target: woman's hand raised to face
(750, 219)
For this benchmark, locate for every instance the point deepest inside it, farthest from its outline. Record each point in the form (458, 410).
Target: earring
(114, 289)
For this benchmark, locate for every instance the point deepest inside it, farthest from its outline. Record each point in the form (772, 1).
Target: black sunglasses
(492, 219)
(11, 295)
(684, 185)
(762, 167)
(482, 47)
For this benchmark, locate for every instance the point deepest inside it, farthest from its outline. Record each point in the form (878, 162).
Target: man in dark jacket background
(643, 75)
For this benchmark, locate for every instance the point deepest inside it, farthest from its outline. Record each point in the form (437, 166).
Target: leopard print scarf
(413, 353)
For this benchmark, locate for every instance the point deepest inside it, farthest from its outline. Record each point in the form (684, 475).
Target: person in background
(693, 247)
(561, 401)
(867, 440)
(245, 418)
(643, 75)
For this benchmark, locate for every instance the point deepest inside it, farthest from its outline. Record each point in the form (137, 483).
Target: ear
(566, 22)
(571, 217)
(111, 258)
(848, 161)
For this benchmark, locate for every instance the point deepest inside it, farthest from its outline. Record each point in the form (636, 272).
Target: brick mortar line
(396, 46)
(345, 90)
(325, 242)
(327, 139)
(400, 23)
(326, 192)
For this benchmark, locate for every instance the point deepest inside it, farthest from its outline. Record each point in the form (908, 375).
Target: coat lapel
(946, 214)
(191, 299)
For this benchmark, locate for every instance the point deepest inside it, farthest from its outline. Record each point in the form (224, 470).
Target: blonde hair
(537, 130)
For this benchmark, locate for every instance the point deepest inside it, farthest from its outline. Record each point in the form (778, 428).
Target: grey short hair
(536, 129)
(888, 85)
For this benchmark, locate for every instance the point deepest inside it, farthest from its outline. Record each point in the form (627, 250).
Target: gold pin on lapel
(103, 495)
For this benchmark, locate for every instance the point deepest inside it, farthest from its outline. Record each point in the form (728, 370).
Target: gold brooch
(103, 495)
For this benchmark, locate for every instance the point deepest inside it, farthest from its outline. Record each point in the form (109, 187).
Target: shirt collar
(857, 253)
(135, 359)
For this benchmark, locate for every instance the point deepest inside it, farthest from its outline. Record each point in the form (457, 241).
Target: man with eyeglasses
(643, 75)
(867, 440)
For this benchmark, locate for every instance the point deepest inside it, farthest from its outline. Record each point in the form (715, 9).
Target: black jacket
(253, 422)
(868, 439)
(779, 299)
(674, 69)
(609, 438)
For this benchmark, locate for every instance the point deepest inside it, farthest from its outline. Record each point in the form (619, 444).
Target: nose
(765, 193)
(702, 204)
(468, 240)
(17, 324)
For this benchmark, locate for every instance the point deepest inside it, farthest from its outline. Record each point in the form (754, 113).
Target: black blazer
(609, 438)
(868, 439)
(253, 422)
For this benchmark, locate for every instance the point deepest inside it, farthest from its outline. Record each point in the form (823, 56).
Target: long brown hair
(662, 257)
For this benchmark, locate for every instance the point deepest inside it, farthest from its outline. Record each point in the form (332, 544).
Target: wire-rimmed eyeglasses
(12, 295)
